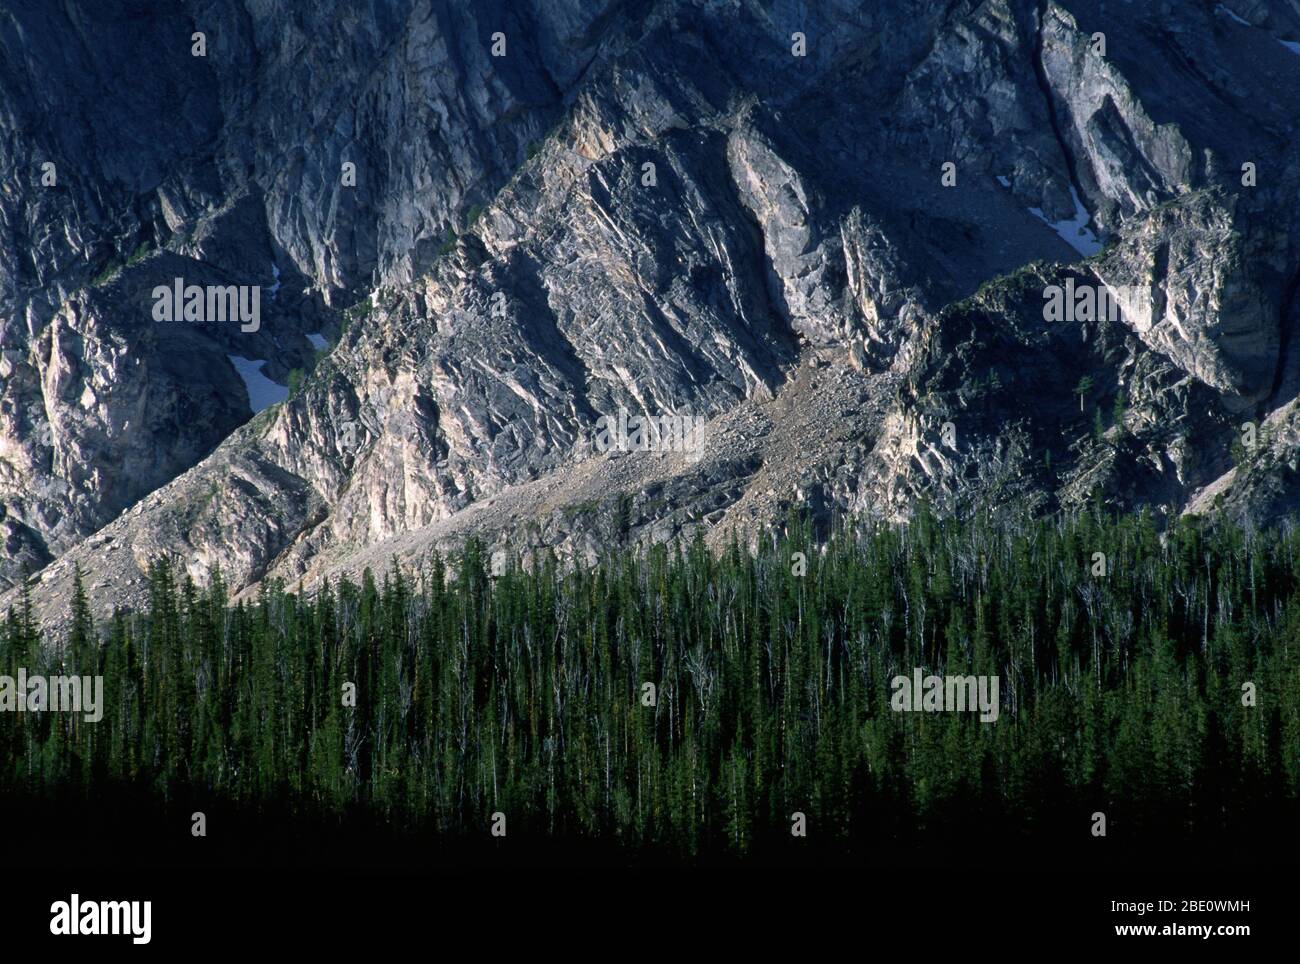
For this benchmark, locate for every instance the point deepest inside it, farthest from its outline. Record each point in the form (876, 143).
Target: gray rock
(651, 211)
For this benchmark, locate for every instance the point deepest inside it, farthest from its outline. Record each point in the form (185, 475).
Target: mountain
(868, 248)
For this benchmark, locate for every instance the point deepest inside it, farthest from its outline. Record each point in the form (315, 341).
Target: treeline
(1123, 691)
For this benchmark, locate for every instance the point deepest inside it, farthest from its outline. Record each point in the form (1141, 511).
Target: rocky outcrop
(1206, 287)
(828, 232)
(310, 153)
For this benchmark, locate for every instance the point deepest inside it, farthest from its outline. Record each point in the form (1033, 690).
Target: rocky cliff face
(855, 243)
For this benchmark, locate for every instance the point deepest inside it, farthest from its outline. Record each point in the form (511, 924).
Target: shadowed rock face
(222, 169)
(828, 229)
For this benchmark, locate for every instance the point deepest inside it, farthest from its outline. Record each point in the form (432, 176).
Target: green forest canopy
(524, 694)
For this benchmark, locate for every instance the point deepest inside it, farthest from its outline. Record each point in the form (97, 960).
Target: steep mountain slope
(830, 230)
(222, 169)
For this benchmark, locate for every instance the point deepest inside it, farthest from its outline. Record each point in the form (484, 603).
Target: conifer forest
(681, 704)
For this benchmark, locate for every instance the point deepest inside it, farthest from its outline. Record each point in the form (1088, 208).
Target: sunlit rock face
(828, 233)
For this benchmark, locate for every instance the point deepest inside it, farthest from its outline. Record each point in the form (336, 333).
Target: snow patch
(318, 341)
(262, 392)
(1290, 45)
(1004, 180)
(1222, 9)
(1073, 231)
